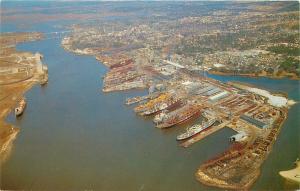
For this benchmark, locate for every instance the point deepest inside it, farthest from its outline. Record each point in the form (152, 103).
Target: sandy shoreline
(24, 70)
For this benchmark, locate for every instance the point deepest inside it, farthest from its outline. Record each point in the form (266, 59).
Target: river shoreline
(202, 176)
(251, 176)
(190, 182)
(15, 83)
(285, 75)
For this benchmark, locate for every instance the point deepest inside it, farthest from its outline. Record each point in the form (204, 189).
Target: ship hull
(184, 136)
(20, 109)
(167, 125)
(192, 135)
(170, 107)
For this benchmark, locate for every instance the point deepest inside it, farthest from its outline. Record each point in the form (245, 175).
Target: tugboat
(195, 129)
(20, 109)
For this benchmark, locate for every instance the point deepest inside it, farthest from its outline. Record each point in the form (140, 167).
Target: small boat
(20, 109)
(195, 129)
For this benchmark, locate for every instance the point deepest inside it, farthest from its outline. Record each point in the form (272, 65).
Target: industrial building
(254, 121)
(218, 96)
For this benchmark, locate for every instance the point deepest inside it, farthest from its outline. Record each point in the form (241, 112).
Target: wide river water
(75, 137)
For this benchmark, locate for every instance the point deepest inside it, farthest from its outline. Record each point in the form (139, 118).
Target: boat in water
(144, 107)
(164, 120)
(195, 129)
(134, 100)
(168, 105)
(20, 109)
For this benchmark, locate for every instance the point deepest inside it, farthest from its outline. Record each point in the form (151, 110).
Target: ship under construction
(151, 103)
(188, 111)
(170, 104)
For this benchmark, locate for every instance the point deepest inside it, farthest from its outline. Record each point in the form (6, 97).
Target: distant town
(261, 41)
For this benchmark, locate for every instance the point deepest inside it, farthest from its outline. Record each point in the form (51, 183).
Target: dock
(204, 134)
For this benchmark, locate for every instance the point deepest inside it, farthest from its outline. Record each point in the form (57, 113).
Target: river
(74, 137)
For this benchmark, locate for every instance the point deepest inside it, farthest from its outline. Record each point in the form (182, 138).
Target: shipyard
(149, 95)
(181, 95)
(256, 122)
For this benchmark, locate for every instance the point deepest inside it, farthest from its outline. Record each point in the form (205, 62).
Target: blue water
(74, 137)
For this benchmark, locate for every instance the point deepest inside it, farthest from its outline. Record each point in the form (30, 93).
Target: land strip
(19, 71)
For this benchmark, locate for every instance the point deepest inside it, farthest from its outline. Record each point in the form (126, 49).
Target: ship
(134, 100)
(20, 109)
(168, 105)
(44, 76)
(144, 107)
(139, 99)
(44, 81)
(165, 120)
(195, 129)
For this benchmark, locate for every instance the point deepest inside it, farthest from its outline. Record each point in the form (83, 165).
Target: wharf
(203, 134)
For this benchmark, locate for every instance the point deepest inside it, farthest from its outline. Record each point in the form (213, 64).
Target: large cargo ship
(20, 109)
(151, 103)
(195, 129)
(164, 120)
(168, 105)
